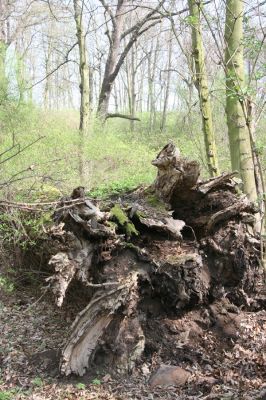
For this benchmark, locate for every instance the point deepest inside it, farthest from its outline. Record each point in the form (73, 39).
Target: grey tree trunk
(84, 83)
(3, 45)
(116, 56)
(167, 89)
(113, 55)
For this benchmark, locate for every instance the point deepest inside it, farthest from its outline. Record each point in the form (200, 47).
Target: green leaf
(80, 386)
(96, 382)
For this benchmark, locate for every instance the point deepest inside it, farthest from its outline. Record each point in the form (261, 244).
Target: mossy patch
(112, 225)
(131, 230)
(154, 202)
(120, 216)
(140, 214)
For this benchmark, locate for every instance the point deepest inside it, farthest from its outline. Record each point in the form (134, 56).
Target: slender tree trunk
(239, 139)
(201, 83)
(84, 84)
(127, 85)
(3, 46)
(110, 65)
(48, 80)
(91, 91)
(167, 88)
(152, 64)
(133, 89)
(116, 56)
(83, 70)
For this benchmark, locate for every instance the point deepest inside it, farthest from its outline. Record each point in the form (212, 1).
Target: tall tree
(201, 83)
(84, 82)
(167, 83)
(239, 138)
(119, 35)
(83, 69)
(3, 46)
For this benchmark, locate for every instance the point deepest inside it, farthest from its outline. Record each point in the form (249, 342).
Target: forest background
(55, 57)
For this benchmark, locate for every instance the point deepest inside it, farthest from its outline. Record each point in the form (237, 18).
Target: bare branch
(117, 115)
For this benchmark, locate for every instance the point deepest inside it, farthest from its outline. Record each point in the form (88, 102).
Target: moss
(154, 202)
(140, 214)
(112, 225)
(120, 216)
(131, 230)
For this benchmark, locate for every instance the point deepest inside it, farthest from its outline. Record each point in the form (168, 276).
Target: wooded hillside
(132, 199)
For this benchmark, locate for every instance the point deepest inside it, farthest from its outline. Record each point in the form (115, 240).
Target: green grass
(116, 159)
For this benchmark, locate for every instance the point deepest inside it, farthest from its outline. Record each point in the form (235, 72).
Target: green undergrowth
(23, 229)
(115, 159)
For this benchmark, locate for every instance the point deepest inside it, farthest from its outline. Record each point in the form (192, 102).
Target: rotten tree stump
(159, 251)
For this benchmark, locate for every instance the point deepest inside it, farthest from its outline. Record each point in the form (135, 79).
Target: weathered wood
(90, 324)
(174, 172)
(137, 257)
(218, 181)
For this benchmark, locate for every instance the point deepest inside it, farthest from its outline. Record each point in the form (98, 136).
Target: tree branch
(117, 115)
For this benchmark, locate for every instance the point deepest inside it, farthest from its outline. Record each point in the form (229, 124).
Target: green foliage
(81, 386)
(116, 159)
(6, 395)
(37, 382)
(6, 285)
(96, 381)
(22, 229)
(9, 394)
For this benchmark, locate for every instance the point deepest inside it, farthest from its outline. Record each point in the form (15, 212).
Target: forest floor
(226, 361)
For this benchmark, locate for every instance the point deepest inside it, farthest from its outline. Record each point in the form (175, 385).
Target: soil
(222, 347)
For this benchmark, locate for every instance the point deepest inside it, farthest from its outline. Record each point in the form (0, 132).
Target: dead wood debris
(196, 252)
(146, 262)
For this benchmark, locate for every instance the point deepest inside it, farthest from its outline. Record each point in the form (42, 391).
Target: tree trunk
(47, 70)
(84, 84)
(167, 89)
(240, 146)
(201, 82)
(133, 89)
(115, 60)
(3, 46)
(113, 55)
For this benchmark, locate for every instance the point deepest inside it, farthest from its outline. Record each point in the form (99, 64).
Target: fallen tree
(150, 255)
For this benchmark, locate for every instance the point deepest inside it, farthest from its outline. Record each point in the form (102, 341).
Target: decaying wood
(137, 257)
(91, 323)
(174, 172)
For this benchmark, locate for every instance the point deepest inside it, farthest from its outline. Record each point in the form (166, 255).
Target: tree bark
(240, 146)
(201, 82)
(3, 46)
(136, 257)
(113, 55)
(114, 59)
(84, 83)
(167, 88)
